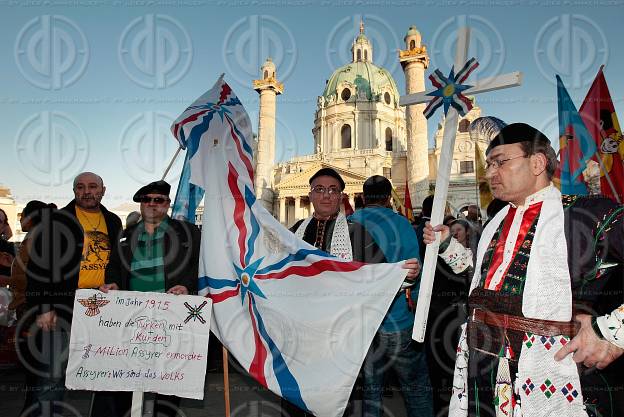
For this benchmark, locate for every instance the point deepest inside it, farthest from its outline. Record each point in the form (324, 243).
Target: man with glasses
(327, 228)
(158, 254)
(544, 320)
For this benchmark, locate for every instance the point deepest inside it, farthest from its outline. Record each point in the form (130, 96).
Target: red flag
(598, 114)
(348, 210)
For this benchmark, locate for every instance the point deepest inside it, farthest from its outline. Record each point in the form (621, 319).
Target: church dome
(369, 80)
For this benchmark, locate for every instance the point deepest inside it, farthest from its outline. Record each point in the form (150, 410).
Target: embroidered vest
(516, 274)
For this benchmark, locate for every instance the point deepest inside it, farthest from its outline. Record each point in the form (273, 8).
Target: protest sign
(139, 341)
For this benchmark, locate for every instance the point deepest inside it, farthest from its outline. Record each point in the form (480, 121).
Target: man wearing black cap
(158, 254)
(538, 295)
(327, 228)
(70, 250)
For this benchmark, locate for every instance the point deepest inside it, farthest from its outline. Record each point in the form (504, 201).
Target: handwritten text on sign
(139, 341)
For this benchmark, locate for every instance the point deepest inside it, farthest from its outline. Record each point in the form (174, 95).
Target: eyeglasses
(158, 200)
(333, 192)
(498, 163)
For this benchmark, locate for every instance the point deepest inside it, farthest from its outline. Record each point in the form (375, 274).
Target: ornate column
(354, 135)
(268, 87)
(298, 208)
(414, 60)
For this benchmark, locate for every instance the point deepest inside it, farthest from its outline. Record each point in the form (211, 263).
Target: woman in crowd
(447, 312)
(460, 230)
(5, 229)
(31, 217)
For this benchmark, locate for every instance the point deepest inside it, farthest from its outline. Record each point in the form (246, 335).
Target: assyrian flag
(188, 129)
(297, 319)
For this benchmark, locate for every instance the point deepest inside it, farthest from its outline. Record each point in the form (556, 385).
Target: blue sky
(95, 84)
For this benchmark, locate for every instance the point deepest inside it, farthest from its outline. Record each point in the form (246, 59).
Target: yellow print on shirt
(97, 247)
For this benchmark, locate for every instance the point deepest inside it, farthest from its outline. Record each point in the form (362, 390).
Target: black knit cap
(377, 188)
(156, 187)
(328, 172)
(516, 133)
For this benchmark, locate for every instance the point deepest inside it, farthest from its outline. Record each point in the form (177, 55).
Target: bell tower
(268, 87)
(414, 60)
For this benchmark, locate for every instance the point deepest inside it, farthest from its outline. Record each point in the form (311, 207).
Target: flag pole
(226, 382)
(137, 404)
(175, 156)
(477, 187)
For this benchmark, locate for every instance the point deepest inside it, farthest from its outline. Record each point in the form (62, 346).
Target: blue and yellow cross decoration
(449, 90)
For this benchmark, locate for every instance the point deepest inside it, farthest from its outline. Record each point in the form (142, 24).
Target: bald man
(81, 233)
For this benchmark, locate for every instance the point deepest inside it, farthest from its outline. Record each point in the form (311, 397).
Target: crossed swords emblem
(195, 312)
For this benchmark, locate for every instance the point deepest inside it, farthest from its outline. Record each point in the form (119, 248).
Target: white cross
(513, 79)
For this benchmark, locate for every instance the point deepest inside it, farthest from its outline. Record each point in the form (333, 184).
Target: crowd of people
(525, 316)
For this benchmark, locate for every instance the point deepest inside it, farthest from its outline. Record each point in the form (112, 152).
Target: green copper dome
(361, 38)
(365, 76)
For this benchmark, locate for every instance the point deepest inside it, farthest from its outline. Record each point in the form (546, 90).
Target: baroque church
(360, 130)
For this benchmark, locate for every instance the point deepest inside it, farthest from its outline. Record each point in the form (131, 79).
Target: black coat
(594, 229)
(181, 253)
(54, 265)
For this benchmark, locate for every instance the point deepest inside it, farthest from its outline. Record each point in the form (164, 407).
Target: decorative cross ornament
(513, 79)
(450, 89)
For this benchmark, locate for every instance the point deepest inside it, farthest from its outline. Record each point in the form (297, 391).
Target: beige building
(360, 130)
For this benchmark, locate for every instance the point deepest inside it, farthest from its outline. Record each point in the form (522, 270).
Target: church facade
(360, 130)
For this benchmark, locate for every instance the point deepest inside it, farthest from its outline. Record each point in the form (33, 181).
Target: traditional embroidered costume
(537, 266)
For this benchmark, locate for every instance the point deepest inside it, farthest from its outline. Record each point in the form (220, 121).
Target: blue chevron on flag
(299, 320)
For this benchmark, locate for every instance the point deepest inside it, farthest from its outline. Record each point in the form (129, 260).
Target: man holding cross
(537, 294)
